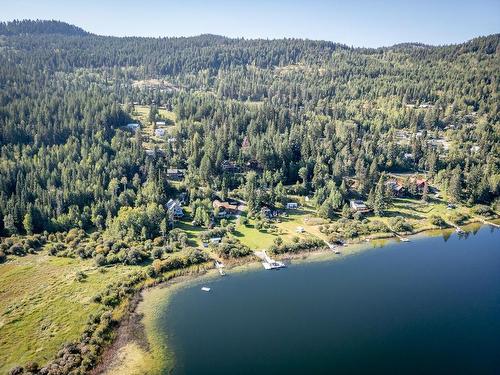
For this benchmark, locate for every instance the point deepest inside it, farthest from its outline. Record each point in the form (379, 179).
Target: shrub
(399, 224)
(458, 218)
(483, 210)
(437, 221)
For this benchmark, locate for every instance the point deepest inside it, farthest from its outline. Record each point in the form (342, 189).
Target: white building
(133, 126)
(174, 208)
(292, 205)
(159, 132)
(160, 123)
(358, 205)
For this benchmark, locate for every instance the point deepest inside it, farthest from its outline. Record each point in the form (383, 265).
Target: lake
(430, 306)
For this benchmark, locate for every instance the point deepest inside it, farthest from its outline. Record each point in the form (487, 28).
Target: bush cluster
(296, 247)
(21, 246)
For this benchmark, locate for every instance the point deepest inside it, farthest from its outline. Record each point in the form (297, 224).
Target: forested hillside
(309, 110)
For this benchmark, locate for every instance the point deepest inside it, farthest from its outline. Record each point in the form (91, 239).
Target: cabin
(215, 240)
(268, 213)
(174, 209)
(292, 206)
(133, 127)
(150, 152)
(159, 132)
(358, 205)
(175, 174)
(421, 184)
(395, 187)
(225, 208)
(160, 123)
(229, 166)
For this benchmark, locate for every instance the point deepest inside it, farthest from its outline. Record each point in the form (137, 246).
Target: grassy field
(141, 114)
(42, 305)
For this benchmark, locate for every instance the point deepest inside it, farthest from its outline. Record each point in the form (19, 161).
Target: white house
(159, 132)
(358, 205)
(292, 206)
(133, 126)
(160, 123)
(174, 208)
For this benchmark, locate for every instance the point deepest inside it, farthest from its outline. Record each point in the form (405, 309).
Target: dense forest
(307, 112)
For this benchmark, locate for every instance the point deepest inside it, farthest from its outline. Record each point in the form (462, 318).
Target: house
(292, 206)
(160, 123)
(150, 152)
(408, 155)
(175, 174)
(395, 187)
(358, 205)
(133, 126)
(229, 166)
(225, 208)
(421, 184)
(159, 132)
(268, 213)
(215, 240)
(174, 209)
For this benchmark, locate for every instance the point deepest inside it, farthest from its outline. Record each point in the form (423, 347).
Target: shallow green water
(430, 306)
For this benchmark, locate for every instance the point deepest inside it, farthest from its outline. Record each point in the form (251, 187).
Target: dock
(400, 237)
(268, 263)
(333, 248)
(220, 266)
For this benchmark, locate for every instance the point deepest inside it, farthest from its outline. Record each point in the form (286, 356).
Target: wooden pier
(268, 263)
(220, 266)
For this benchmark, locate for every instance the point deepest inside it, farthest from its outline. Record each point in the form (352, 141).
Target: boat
(404, 239)
(205, 289)
(274, 265)
(459, 230)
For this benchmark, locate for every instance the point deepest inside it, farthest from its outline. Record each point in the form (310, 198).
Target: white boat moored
(205, 289)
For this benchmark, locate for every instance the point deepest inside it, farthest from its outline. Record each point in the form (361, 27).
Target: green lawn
(141, 114)
(42, 305)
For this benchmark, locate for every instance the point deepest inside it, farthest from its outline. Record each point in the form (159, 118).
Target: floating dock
(205, 289)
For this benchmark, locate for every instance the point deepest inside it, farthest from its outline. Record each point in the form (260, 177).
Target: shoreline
(132, 336)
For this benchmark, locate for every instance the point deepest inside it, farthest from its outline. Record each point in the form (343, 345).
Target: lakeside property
(156, 356)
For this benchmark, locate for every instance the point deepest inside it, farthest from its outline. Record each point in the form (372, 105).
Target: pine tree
(455, 185)
(9, 225)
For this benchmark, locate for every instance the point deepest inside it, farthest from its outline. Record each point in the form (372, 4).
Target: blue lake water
(430, 306)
